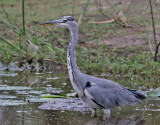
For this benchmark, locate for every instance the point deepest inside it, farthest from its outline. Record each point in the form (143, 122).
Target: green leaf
(155, 93)
(55, 96)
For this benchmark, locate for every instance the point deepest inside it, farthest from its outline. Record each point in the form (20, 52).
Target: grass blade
(9, 25)
(9, 43)
(24, 30)
(83, 12)
(73, 5)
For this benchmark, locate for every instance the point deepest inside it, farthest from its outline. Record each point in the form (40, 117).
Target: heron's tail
(138, 94)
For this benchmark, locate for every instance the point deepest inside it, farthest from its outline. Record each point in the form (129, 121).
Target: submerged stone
(11, 102)
(71, 104)
(6, 87)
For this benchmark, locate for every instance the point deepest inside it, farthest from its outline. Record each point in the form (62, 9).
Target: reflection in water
(30, 114)
(131, 120)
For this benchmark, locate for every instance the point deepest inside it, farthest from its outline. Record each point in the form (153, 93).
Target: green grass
(94, 56)
(137, 69)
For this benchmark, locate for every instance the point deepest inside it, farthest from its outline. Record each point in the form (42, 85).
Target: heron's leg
(93, 112)
(106, 113)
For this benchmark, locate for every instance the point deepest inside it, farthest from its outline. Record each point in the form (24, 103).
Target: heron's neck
(73, 70)
(71, 50)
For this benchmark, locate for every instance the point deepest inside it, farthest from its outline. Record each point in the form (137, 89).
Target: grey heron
(96, 92)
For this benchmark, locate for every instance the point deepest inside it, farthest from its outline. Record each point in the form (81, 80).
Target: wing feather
(111, 97)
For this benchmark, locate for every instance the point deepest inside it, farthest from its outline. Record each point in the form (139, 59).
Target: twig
(156, 52)
(102, 22)
(154, 33)
(119, 18)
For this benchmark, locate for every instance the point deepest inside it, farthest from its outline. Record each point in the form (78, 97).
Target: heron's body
(94, 91)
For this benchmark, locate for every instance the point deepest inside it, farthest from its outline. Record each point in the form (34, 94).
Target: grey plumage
(96, 92)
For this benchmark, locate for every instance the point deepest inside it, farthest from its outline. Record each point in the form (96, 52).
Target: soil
(136, 34)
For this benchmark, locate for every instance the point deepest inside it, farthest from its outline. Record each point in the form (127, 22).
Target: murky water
(21, 96)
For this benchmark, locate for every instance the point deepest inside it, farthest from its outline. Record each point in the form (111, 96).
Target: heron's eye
(64, 21)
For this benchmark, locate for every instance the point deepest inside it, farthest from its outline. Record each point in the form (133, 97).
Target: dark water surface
(21, 96)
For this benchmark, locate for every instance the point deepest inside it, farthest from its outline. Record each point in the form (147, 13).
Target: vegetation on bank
(99, 51)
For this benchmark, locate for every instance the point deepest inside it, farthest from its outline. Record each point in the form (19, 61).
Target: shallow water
(21, 101)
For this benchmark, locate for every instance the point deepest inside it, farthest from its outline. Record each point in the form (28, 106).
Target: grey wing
(110, 97)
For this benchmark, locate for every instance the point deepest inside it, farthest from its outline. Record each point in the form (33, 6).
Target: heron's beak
(54, 22)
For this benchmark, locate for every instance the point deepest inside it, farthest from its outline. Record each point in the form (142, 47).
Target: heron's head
(66, 21)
